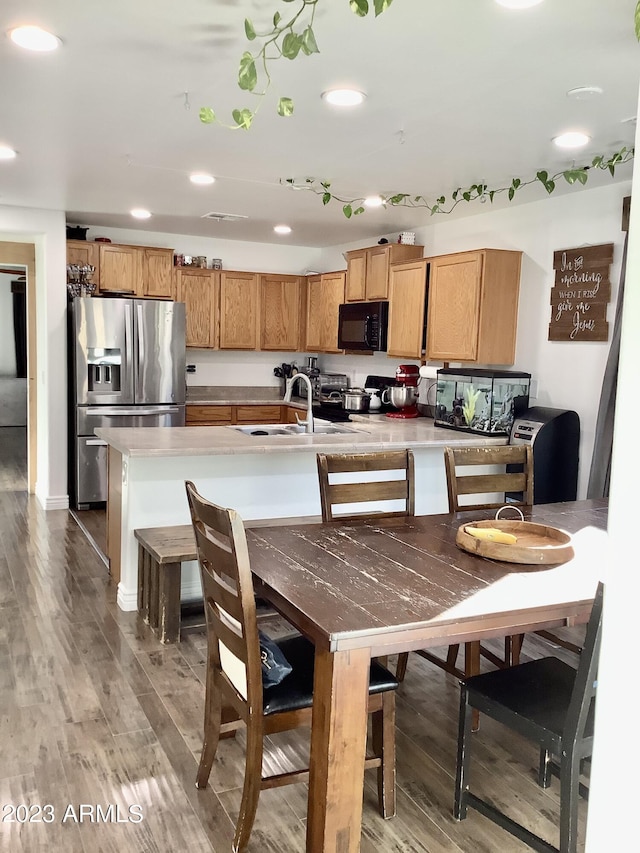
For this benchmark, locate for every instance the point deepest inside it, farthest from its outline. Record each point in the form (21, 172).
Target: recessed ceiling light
(34, 38)
(282, 229)
(7, 153)
(584, 93)
(518, 4)
(343, 97)
(373, 201)
(571, 139)
(140, 213)
(202, 179)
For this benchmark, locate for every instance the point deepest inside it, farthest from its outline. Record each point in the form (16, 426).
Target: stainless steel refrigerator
(127, 368)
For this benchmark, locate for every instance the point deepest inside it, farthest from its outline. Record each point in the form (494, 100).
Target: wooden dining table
(372, 588)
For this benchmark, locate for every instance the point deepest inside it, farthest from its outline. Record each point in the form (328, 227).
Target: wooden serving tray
(538, 544)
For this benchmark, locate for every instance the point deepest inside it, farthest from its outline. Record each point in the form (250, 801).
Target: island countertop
(367, 433)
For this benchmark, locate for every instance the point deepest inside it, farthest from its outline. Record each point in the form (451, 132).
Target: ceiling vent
(224, 217)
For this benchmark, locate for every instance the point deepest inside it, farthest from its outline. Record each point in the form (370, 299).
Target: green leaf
(398, 198)
(326, 198)
(597, 162)
(570, 176)
(515, 183)
(512, 192)
(491, 195)
(582, 176)
(309, 41)
(543, 177)
(325, 184)
(249, 30)
(466, 196)
(291, 45)
(454, 195)
(441, 200)
(276, 19)
(435, 209)
(247, 76)
(637, 21)
(347, 210)
(243, 118)
(360, 7)
(612, 169)
(381, 5)
(207, 115)
(285, 107)
(358, 211)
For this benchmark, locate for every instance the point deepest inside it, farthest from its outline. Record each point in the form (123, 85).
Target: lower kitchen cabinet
(198, 289)
(256, 413)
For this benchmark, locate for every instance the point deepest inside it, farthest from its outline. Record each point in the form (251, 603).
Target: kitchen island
(261, 476)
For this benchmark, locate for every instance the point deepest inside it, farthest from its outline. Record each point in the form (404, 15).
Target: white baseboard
(127, 599)
(53, 501)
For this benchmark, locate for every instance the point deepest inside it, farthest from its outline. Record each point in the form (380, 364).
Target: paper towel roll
(428, 372)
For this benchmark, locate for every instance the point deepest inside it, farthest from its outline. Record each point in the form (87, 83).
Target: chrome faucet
(308, 424)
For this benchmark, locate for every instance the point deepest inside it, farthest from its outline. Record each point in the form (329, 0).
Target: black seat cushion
(537, 692)
(296, 690)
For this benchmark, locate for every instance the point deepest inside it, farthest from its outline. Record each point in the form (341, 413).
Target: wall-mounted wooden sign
(581, 293)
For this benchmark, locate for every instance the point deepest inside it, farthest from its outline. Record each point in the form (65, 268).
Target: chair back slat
(363, 491)
(585, 685)
(519, 481)
(227, 588)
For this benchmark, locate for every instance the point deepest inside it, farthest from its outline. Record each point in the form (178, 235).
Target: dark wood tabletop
(362, 589)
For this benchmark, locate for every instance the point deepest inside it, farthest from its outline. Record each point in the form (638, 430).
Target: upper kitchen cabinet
(368, 270)
(198, 289)
(239, 310)
(407, 299)
(136, 271)
(85, 253)
(325, 294)
(157, 274)
(281, 305)
(473, 306)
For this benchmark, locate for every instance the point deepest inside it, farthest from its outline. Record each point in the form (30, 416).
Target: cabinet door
(454, 306)
(121, 269)
(332, 291)
(84, 253)
(208, 415)
(198, 289)
(158, 274)
(280, 307)
(238, 310)
(355, 288)
(313, 337)
(378, 272)
(407, 295)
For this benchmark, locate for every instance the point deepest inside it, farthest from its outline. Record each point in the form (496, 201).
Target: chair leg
(383, 738)
(515, 642)
(452, 655)
(212, 720)
(569, 791)
(401, 666)
(544, 768)
(251, 788)
(464, 746)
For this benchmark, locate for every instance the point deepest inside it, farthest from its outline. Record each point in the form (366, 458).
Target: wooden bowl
(538, 544)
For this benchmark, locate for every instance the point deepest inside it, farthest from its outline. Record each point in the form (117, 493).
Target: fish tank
(480, 401)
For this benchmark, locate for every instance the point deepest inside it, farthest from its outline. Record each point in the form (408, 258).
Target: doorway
(18, 399)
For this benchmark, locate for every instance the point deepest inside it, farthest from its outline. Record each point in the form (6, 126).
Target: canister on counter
(200, 261)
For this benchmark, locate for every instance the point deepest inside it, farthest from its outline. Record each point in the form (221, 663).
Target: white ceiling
(459, 91)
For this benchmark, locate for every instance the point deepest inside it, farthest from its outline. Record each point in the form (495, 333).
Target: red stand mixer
(404, 395)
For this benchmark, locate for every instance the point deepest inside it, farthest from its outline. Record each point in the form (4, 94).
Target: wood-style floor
(95, 712)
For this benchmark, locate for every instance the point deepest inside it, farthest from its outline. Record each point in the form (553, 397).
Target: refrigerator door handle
(95, 442)
(141, 348)
(137, 411)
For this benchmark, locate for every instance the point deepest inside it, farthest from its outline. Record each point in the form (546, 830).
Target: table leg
(472, 667)
(338, 744)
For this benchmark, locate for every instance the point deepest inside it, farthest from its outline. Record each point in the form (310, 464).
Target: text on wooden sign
(581, 293)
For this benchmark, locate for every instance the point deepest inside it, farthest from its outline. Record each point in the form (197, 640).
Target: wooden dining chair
(234, 671)
(551, 704)
(358, 490)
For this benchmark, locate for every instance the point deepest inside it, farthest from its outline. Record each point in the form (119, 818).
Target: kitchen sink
(259, 430)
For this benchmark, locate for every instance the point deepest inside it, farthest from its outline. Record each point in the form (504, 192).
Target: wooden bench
(161, 552)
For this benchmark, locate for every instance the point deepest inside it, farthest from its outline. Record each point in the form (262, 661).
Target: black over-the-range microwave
(363, 326)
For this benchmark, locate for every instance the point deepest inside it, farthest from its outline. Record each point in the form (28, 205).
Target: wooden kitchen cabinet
(281, 303)
(85, 253)
(368, 270)
(249, 413)
(473, 306)
(120, 269)
(407, 299)
(239, 310)
(208, 415)
(325, 294)
(198, 289)
(157, 274)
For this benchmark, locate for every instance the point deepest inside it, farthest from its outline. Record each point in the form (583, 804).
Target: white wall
(46, 230)
(568, 374)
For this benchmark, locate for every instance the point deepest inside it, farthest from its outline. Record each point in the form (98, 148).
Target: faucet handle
(300, 422)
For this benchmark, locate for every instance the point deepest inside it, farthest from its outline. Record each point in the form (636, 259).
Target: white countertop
(370, 432)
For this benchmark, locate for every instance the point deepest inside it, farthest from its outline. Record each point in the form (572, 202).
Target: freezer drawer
(89, 418)
(90, 470)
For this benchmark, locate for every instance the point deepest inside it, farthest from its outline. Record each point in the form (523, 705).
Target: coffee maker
(404, 395)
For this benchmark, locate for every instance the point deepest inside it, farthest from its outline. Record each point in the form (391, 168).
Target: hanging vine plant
(293, 35)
